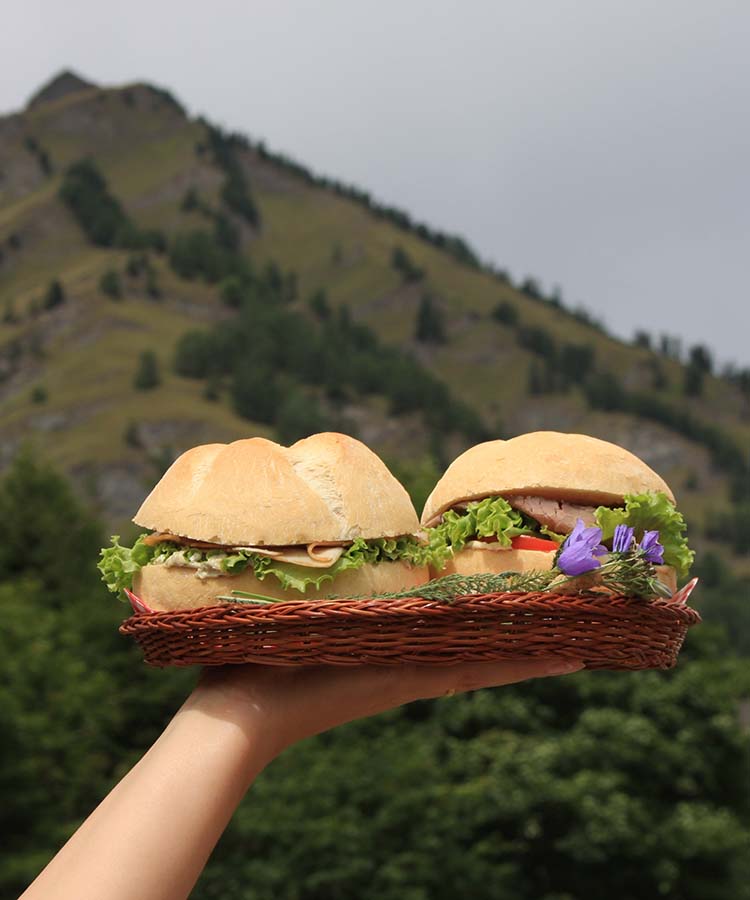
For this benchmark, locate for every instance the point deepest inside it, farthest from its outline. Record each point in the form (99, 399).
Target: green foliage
(198, 254)
(40, 154)
(604, 391)
(77, 706)
(190, 200)
(147, 375)
(430, 324)
(39, 394)
(642, 339)
(299, 416)
(619, 785)
(731, 527)
(55, 295)
(232, 291)
(235, 191)
(334, 353)
(601, 784)
(506, 313)
(110, 284)
(50, 538)
(10, 316)
(538, 340)
(318, 303)
(255, 392)
(84, 191)
(692, 383)
(700, 357)
(403, 264)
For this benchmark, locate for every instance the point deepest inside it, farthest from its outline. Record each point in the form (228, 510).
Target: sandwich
(253, 520)
(549, 500)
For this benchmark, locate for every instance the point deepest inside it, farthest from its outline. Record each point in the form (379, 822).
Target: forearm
(150, 838)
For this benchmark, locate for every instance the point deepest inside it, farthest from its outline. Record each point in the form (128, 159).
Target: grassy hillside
(66, 372)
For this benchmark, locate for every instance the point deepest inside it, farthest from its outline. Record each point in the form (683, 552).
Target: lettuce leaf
(491, 517)
(118, 564)
(651, 512)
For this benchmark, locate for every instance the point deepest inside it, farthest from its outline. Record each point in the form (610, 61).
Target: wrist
(221, 700)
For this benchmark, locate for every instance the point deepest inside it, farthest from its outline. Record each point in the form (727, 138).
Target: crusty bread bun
(168, 588)
(571, 467)
(328, 487)
(474, 561)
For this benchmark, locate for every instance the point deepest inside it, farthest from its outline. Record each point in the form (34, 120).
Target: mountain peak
(64, 83)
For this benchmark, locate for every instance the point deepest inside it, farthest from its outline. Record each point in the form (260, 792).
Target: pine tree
(430, 326)
(147, 375)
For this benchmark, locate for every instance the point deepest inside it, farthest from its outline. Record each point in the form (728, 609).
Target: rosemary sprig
(628, 574)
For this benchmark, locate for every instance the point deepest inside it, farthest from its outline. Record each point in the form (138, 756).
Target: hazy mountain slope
(84, 352)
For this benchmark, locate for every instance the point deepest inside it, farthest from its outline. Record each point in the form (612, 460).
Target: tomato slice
(527, 542)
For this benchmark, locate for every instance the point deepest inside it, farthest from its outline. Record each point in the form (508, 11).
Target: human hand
(285, 705)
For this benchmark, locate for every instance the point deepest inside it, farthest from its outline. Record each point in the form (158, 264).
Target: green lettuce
(118, 564)
(651, 512)
(491, 517)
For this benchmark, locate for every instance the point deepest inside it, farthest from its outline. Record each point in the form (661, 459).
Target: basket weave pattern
(607, 632)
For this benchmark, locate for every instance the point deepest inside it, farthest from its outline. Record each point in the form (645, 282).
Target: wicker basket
(606, 631)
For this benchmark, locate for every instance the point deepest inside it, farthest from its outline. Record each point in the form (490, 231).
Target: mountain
(315, 303)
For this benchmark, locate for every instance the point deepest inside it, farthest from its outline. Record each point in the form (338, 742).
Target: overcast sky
(599, 145)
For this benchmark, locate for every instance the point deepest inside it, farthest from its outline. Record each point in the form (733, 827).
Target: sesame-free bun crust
(470, 561)
(572, 467)
(328, 487)
(169, 588)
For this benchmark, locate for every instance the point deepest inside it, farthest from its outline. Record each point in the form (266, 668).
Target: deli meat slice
(557, 515)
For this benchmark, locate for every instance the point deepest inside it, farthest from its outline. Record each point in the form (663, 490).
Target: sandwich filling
(541, 523)
(295, 567)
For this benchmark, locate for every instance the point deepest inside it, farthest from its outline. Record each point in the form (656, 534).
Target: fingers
(335, 696)
(290, 704)
(421, 683)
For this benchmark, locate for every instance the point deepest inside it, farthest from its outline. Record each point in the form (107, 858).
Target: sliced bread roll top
(572, 467)
(328, 487)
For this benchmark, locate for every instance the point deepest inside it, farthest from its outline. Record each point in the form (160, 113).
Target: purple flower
(579, 552)
(652, 549)
(623, 539)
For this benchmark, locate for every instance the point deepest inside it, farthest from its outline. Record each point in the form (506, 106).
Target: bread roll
(328, 487)
(168, 588)
(572, 467)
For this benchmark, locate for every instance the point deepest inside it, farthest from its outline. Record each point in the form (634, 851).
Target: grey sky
(602, 145)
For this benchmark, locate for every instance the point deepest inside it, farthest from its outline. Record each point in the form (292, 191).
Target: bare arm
(150, 837)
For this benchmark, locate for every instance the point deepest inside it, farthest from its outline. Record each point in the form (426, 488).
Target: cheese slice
(495, 546)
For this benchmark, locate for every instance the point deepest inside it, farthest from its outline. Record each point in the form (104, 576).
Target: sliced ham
(315, 556)
(558, 515)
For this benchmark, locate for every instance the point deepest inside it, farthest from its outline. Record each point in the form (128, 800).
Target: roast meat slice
(558, 515)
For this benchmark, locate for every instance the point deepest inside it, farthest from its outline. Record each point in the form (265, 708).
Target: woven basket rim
(605, 630)
(351, 605)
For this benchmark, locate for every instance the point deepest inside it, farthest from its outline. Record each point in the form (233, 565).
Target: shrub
(109, 284)
(299, 416)
(403, 264)
(39, 394)
(692, 384)
(430, 326)
(506, 313)
(55, 295)
(538, 340)
(147, 374)
(255, 393)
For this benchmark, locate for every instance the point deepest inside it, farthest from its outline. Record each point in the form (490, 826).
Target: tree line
(600, 784)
